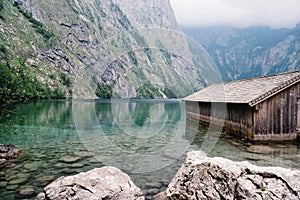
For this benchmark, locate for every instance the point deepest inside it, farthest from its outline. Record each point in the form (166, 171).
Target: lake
(148, 139)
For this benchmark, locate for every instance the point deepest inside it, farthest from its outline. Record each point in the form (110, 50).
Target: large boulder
(100, 183)
(201, 177)
(7, 153)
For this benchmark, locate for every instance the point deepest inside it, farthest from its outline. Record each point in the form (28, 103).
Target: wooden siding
(206, 111)
(276, 117)
(236, 118)
(239, 120)
(273, 119)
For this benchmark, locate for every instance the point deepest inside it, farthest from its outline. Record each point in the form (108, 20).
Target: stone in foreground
(100, 183)
(201, 177)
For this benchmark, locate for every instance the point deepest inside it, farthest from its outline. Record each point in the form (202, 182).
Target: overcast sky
(237, 13)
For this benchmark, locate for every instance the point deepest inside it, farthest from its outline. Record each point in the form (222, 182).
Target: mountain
(108, 48)
(251, 52)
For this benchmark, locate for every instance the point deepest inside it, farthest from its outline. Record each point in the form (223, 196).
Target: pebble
(2, 173)
(77, 165)
(18, 181)
(26, 191)
(13, 165)
(60, 165)
(95, 160)
(260, 149)
(83, 154)
(3, 184)
(23, 176)
(3, 178)
(152, 191)
(165, 182)
(32, 166)
(70, 159)
(44, 180)
(67, 171)
(12, 187)
(152, 185)
(10, 176)
(41, 156)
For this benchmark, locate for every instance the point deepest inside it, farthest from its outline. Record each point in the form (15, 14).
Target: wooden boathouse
(259, 109)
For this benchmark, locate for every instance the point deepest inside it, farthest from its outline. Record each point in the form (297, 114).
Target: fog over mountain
(236, 13)
(250, 52)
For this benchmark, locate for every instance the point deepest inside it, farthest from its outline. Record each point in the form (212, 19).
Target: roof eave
(274, 91)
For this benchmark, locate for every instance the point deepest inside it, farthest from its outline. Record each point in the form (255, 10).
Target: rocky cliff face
(250, 52)
(106, 48)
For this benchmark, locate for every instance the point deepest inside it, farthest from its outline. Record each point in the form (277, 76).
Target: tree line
(19, 84)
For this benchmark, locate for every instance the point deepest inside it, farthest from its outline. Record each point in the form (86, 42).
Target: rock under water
(100, 183)
(8, 152)
(202, 177)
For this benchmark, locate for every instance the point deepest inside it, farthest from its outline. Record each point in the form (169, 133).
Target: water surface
(147, 139)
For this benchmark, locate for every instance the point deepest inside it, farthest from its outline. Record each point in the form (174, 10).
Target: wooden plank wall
(192, 109)
(237, 117)
(276, 117)
(272, 119)
(239, 120)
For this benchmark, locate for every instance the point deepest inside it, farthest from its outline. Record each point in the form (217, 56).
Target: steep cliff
(251, 52)
(110, 48)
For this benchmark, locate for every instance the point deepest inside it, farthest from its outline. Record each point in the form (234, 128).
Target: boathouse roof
(248, 91)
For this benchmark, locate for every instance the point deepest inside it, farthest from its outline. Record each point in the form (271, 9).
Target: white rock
(201, 177)
(99, 183)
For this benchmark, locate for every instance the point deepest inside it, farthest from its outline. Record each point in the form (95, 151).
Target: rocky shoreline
(200, 177)
(8, 152)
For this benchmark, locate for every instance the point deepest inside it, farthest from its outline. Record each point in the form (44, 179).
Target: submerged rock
(8, 152)
(3, 184)
(264, 149)
(32, 166)
(260, 149)
(99, 183)
(83, 154)
(44, 180)
(26, 191)
(2, 162)
(18, 181)
(12, 187)
(201, 177)
(70, 159)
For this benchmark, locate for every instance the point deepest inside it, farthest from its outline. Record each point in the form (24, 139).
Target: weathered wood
(280, 112)
(237, 117)
(269, 119)
(273, 119)
(298, 114)
(273, 115)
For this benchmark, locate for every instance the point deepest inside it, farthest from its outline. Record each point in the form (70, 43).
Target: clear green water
(145, 138)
